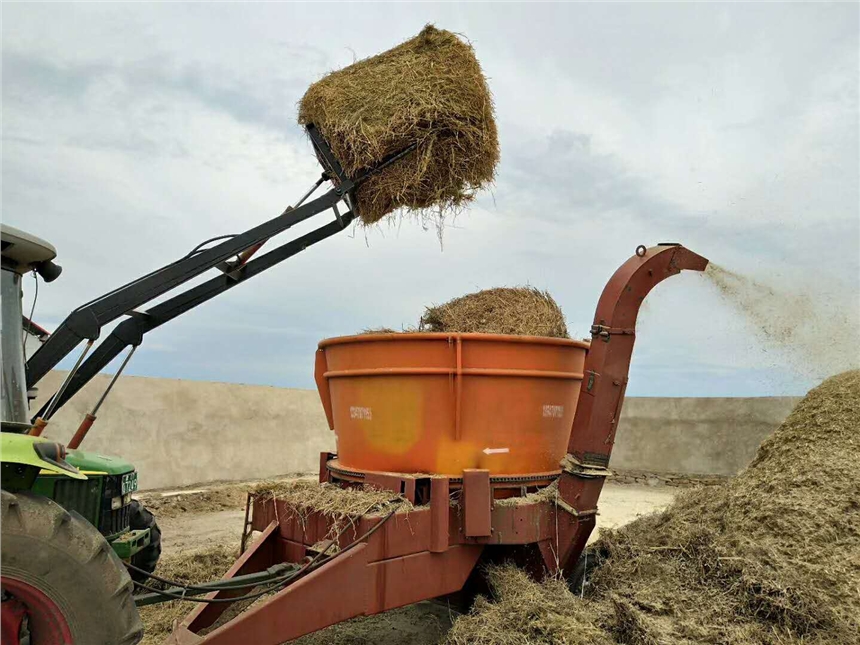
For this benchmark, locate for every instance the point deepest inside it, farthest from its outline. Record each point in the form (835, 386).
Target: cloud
(132, 132)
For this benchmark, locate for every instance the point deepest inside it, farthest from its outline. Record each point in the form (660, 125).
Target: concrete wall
(713, 436)
(185, 432)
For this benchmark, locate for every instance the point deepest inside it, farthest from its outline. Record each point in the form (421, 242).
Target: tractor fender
(37, 452)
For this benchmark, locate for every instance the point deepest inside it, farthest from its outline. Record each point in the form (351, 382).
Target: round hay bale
(428, 91)
(522, 311)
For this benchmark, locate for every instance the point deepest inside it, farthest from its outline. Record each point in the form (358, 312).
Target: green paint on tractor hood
(20, 449)
(92, 463)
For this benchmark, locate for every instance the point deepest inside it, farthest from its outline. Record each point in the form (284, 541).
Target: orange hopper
(440, 403)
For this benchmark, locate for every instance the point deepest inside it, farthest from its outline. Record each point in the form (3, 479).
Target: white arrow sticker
(495, 451)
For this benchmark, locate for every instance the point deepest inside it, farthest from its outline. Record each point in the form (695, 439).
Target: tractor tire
(66, 577)
(147, 558)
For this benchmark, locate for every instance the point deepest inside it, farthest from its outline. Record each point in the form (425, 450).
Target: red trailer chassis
(389, 561)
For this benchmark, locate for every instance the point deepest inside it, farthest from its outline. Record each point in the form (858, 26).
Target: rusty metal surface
(246, 524)
(259, 556)
(348, 586)
(415, 555)
(440, 514)
(608, 361)
(335, 592)
(395, 566)
(477, 502)
(602, 394)
(325, 474)
(320, 368)
(498, 482)
(399, 484)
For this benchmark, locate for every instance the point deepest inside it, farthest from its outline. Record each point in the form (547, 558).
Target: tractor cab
(21, 254)
(97, 487)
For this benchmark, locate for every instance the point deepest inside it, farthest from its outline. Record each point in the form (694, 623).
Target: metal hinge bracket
(603, 332)
(560, 503)
(573, 466)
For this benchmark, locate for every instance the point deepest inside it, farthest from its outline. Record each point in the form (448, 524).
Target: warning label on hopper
(360, 413)
(553, 411)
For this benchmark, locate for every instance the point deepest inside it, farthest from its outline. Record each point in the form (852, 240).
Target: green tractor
(104, 500)
(68, 519)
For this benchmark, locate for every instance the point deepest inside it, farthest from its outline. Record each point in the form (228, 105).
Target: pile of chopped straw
(527, 613)
(524, 311)
(307, 496)
(203, 565)
(772, 557)
(428, 91)
(545, 494)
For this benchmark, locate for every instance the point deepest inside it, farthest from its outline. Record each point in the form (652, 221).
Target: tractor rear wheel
(61, 581)
(146, 558)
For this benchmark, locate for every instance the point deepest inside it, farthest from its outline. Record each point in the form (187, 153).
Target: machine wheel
(147, 558)
(62, 584)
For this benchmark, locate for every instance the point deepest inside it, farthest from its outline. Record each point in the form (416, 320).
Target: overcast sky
(133, 131)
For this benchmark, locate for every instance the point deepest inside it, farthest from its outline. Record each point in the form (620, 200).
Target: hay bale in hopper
(523, 311)
(372, 331)
(772, 557)
(428, 91)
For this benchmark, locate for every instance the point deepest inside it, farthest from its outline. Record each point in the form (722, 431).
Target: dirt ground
(209, 515)
(190, 531)
(620, 503)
